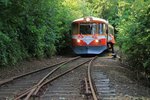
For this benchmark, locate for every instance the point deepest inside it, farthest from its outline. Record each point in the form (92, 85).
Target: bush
(134, 34)
(35, 28)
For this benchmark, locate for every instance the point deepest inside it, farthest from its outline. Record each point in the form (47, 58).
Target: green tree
(35, 28)
(134, 32)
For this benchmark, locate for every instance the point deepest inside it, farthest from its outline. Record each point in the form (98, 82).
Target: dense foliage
(39, 28)
(134, 32)
(34, 28)
(131, 21)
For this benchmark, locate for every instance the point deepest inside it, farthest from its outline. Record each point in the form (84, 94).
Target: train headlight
(97, 40)
(87, 19)
(78, 40)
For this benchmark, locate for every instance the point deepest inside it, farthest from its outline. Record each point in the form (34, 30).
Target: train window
(75, 28)
(89, 28)
(94, 28)
(101, 28)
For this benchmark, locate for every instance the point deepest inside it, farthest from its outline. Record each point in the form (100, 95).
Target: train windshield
(91, 28)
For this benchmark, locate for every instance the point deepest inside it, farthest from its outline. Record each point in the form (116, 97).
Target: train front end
(89, 36)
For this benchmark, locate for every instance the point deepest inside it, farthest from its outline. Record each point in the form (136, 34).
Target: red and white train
(91, 35)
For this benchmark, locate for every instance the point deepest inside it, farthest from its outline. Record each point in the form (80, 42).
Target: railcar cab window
(88, 28)
(101, 28)
(75, 28)
(92, 28)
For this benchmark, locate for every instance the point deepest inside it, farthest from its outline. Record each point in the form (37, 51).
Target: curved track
(95, 97)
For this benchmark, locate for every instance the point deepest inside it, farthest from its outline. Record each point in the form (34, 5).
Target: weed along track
(75, 79)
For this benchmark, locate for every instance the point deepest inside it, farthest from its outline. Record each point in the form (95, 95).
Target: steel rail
(30, 91)
(35, 71)
(90, 79)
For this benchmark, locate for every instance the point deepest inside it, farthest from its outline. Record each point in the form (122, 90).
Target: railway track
(63, 81)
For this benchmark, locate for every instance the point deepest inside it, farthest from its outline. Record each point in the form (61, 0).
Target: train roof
(90, 19)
